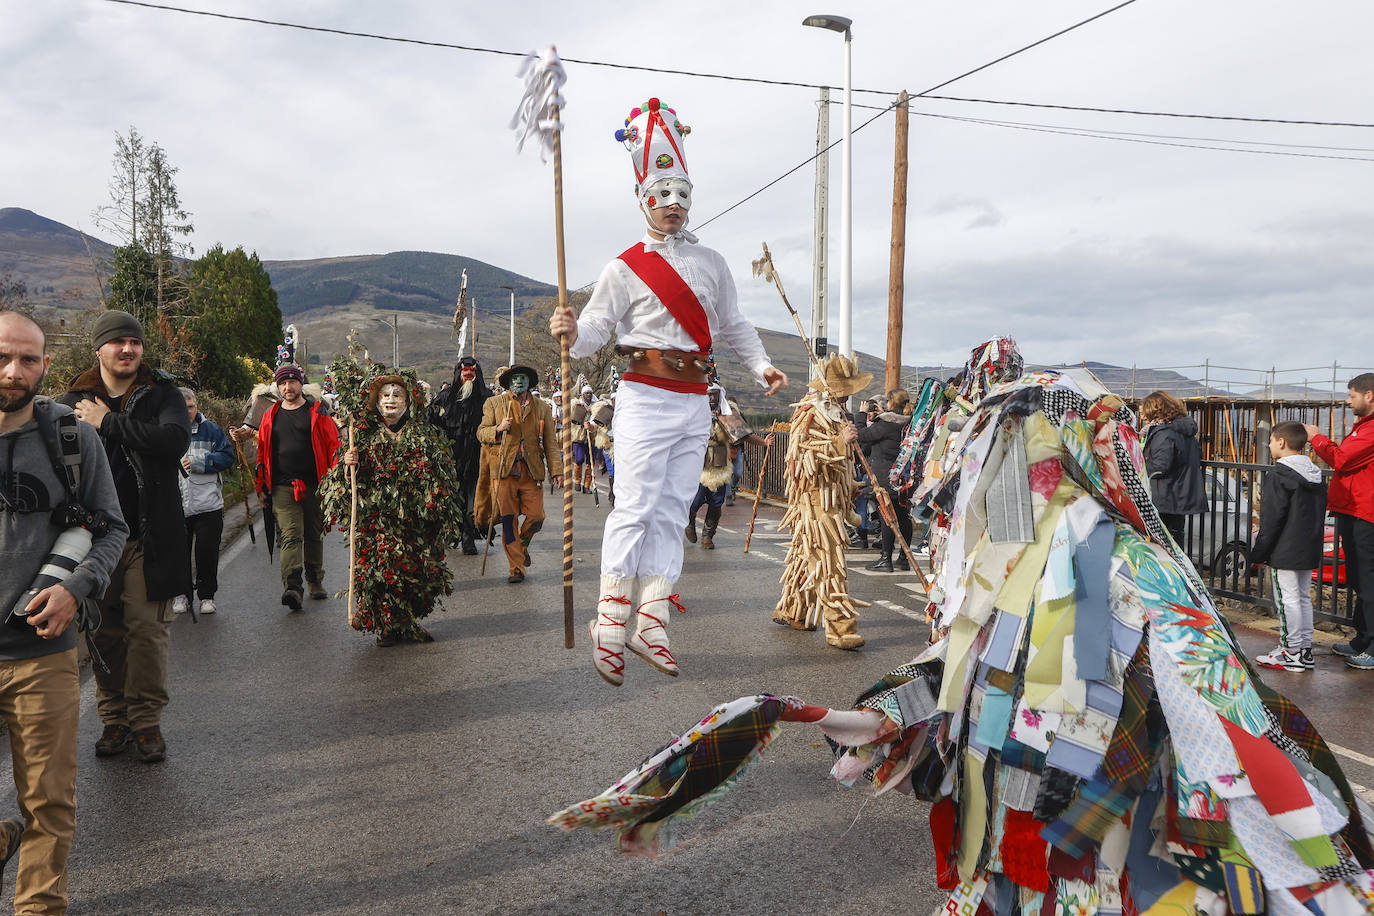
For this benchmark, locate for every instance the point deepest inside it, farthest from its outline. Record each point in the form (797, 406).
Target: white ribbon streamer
(544, 77)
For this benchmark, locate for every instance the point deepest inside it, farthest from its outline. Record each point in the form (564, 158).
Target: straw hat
(842, 378)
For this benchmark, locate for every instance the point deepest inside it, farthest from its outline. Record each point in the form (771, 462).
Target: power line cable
(1004, 57)
(1130, 136)
(347, 33)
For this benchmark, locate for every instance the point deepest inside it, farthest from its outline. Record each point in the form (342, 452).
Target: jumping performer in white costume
(666, 298)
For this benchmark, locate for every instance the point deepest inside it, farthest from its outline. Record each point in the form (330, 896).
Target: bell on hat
(654, 137)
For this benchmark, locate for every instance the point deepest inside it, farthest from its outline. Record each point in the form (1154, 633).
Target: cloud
(982, 213)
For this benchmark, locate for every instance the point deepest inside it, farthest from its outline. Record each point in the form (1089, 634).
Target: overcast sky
(301, 144)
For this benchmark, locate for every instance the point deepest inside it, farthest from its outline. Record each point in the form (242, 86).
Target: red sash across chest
(677, 297)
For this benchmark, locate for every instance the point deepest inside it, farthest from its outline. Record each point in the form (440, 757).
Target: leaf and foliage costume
(408, 513)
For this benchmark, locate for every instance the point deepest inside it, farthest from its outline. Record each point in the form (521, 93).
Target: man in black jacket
(457, 410)
(142, 421)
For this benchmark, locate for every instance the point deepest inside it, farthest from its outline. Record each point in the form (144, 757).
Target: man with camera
(55, 487)
(142, 421)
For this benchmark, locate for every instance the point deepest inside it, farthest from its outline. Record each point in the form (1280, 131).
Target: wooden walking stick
(758, 490)
(496, 491)
(538, 116)
(245, 480)
(352, 527)
(764, 268)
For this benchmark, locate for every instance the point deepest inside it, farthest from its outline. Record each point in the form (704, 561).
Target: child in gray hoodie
(1292, 512)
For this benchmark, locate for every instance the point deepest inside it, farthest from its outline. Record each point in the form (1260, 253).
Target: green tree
(235, 315)
(133, 283)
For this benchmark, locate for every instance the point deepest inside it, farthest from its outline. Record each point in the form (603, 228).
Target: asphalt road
(309, 771)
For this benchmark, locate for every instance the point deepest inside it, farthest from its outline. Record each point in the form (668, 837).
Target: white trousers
(660, 444)
(1293, 601)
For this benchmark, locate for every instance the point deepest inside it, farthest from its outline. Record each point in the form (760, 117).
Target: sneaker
(207, 605)
(1281, 658)
(1345, 649)
(1306, 655)
(113, 740)
(292, 599)
(180, 605)
(1364, 661)
(149, 746)
(11, 832)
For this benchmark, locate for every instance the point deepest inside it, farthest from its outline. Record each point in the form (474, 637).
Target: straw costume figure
(820, 480)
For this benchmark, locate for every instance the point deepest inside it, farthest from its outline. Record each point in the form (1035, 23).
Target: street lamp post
(846, 346)
(394, 324)
(512, 323)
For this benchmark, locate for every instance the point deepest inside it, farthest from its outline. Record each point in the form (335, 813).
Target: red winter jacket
(324, 438)
(1352, 463)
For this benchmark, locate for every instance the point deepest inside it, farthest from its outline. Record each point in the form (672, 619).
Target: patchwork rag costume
(1091, 737)
(666, 298)
(408, 514)
(820, 479)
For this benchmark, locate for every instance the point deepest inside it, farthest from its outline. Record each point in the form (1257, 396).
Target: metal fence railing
(1217, 541)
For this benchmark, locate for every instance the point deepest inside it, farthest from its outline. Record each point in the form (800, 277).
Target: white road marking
(1353, 755)
(904, 611)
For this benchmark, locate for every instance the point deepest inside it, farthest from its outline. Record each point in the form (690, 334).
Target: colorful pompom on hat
(654, 137)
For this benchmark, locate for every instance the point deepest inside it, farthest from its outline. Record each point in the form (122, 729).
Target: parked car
(1332, 569)
(1219, 539)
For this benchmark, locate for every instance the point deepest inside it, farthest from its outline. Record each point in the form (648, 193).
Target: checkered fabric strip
(713, 759)
(1131, 752)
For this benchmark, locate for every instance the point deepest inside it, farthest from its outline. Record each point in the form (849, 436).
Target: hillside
(327, 297)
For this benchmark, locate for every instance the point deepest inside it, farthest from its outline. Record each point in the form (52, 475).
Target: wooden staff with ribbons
(352, 527)
(538, 116)
(764, 268)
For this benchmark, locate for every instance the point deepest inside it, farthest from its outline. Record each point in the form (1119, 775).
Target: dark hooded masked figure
(457, 410)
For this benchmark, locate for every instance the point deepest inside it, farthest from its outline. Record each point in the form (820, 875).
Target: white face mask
(666, 192)
(391, 404)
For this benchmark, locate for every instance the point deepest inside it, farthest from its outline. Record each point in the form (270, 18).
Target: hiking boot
(1346, 649)
(207, 606)
(113, 740)
(901, 563)
(1307, 661)
(1364, 661)
(1281, 658)
(517, 576)
(884, 562)
(708, 538)
(11, 832)
(859, 539)
(469, 546)
(692, 529)
(292, 599)
(149, 746)
(317, 591)
(180, 605)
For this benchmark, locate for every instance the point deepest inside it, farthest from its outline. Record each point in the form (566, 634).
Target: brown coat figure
(520, 447)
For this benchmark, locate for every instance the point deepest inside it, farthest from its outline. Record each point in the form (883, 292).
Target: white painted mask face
(668, 191)
(391, 402)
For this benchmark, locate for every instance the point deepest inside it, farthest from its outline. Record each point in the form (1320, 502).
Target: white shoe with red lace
(608, 629)
(650, 639)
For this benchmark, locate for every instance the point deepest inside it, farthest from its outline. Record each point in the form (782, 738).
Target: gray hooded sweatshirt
(31, 489)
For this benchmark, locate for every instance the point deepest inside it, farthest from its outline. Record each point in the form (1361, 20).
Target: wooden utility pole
(897, 266)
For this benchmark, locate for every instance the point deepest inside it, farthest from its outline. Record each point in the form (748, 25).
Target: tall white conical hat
(654, 137)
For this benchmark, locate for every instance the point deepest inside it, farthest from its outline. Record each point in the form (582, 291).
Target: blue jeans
(736, 474)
